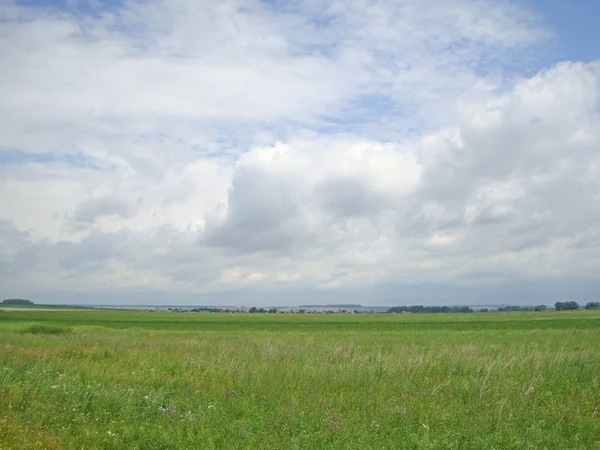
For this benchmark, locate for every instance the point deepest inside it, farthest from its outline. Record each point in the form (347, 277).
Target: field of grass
(134, 379)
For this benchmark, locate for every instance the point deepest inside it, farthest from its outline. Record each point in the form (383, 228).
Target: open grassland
(127, 379)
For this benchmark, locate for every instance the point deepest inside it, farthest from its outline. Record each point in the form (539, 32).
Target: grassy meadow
(154, 380)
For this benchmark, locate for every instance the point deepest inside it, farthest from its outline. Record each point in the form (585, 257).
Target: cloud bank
(236, 152)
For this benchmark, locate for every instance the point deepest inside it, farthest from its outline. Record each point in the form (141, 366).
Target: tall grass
(47, 329)
(522, 381)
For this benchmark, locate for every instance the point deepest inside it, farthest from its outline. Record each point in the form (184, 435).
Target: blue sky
(575, 24)
(389, 151)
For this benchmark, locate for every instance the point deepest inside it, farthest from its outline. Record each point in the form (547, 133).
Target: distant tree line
(212, 310)
(430, 309)
(570, 306)
(17, 301)
(255, 310)
(566, 306)
(558, 306)
(522, 308)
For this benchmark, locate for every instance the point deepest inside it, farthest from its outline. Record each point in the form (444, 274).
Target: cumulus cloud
(92, 209)
(499, 192)
(235, 151)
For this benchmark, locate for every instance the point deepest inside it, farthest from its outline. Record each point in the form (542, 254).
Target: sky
(276, 153)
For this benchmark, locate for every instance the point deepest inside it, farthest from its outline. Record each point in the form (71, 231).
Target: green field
(133, 379)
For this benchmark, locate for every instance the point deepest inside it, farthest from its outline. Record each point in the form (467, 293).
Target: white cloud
(208, 147)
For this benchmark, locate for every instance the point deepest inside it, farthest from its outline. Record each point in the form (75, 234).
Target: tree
(17, 301)
(541, 308)
(566, 306)
(593, 305)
